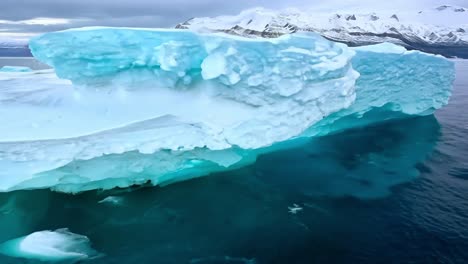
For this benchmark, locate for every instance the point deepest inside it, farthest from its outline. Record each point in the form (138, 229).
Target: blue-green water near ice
(396, 192)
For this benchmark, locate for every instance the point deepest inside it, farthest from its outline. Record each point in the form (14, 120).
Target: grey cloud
(25, 9)
(140, 21)
(172, 10)
(134, 13)
(154, 13)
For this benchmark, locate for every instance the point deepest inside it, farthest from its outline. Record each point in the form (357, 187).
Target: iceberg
(136, 106)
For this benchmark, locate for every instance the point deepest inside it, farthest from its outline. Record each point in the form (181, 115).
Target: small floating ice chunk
(112, 200)
(15, 69)
(294, 209)
(59, 245)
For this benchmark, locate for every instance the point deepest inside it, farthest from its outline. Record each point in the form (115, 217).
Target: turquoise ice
(143, 105)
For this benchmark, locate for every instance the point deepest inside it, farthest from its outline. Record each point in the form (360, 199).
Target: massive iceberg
(135, 106)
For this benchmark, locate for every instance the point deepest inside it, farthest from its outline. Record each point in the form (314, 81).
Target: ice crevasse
(132, 106)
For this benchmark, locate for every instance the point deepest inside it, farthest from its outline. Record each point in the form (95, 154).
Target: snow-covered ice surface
(60, 245)
(161, 106)
(442, 29)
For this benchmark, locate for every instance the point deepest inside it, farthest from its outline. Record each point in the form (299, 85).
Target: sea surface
(396, 192)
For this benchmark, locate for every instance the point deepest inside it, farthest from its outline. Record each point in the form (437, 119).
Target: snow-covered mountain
(443, 29)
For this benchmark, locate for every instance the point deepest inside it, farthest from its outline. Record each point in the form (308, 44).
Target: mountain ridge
(442, 30)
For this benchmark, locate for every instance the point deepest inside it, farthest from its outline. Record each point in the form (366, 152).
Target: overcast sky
(18, 18)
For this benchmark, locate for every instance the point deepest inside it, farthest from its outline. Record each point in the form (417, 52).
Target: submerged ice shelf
(166, 105)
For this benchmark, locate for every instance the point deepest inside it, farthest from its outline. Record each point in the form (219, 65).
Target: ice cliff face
(164, 105)
(262, 91)
(441, 30)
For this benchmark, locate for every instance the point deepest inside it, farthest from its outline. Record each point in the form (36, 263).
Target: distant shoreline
(15, 52)
(25, 61)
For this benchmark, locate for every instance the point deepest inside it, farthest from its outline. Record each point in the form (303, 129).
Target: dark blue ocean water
(396, 192)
